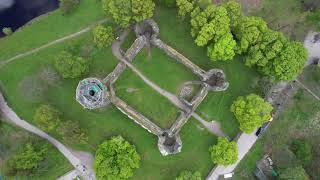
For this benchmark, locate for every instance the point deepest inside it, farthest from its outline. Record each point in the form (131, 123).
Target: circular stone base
(217, 80)
(91, 93)
(169, 145)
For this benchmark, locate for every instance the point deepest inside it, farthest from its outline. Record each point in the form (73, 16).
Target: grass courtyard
(107, 122)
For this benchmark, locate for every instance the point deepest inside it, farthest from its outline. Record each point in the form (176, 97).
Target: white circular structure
(91, 93)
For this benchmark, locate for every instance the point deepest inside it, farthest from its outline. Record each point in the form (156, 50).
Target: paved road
(32, 51)
(13, 118)
(244, 143)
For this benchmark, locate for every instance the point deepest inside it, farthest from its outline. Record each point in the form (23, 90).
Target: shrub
(294, 173)
(102, 36)
(116, 159)
(26, 160)
(67, 5)
(47, 117)
(71, 133)
(224, 152)
(70, 66)
(188, 175)
(303, 151)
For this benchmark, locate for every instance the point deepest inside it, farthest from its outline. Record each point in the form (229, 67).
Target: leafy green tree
(185, 7)
(248, 32)
(199, 18)
(289, 63)
(125, 12)
(224, 152)
(7, 31)
(223, 49)
(119, 11)
(142, 9)
(188, 175)
(303, 151)
(266, 50)
(70, 66)
(294, 173)
(116, 159)
(47, 117)
(26, 160)
(67, 5)
(251, 111)
(218, 26)
(234, 12)
(103, 36)
(71, 133)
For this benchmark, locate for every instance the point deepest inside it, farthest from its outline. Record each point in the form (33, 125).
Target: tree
(303, 151)
(7, 31)
(188, 175)
(289, 63)
(223, 49)
(71, 133)
(294, 173)
(119, 11)
(200, 18)
(248, 32)
(67, 5)
(103, 36)
(124, 12)
(116, 159)
(266, 50)
(185, 7)
(224, 152)
(142, 9)
(47, 117)
(251, 112)
(70, 66)
(234, 12)
(218, 26)
(26, 160)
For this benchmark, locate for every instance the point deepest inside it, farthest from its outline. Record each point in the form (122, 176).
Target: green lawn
(145, 100)
(217, 104)
(104, 123)
(51, 27)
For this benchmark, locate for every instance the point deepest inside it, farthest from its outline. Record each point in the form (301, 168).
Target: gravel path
(83, 169)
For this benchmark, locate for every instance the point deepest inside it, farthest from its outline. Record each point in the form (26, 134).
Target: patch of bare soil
(32, 88)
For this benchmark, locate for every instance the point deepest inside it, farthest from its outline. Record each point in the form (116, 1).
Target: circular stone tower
(91, 93)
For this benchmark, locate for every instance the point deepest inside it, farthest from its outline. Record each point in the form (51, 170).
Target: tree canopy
(71, 133)
(223, 49)
(185, 7)
(296, 173)
(224, 152)
(116, 159)
(103, 36)
(47, 117)
(125, 12)
(70, 66)
(189, 175)
(303, 151)
(289, 63)
(251, 111)
(26, 160)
